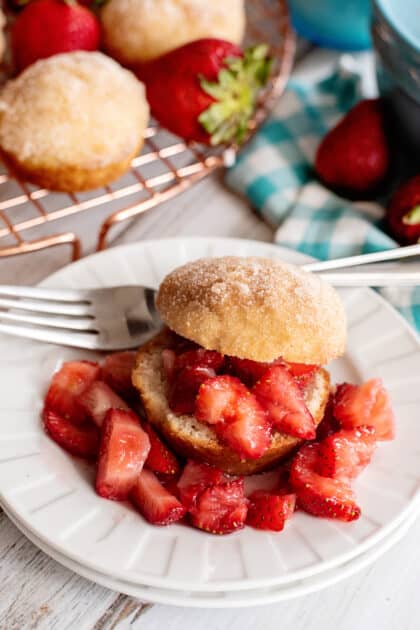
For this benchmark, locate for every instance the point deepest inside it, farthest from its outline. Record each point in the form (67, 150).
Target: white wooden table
(36, 592)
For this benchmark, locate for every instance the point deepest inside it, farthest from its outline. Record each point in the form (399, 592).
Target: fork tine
(39, 293)
(69, 323)
(43, 306)
(85, 340)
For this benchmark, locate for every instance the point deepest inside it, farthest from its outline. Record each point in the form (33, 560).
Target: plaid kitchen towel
(275, 172)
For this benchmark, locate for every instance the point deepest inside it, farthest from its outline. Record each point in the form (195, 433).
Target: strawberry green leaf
(235, 94)
(412, 217)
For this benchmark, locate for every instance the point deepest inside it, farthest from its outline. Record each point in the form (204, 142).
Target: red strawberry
(268, 510)
(249, 372)
(217, 398)
(154, 501)
(160, 459)
(317, 495)
(403, 213)
(354, 155)
(365, 405)
(48, 27)
(328, 424)
(67, 385)
(301, 369)
(116, 371)
(185, 388)
(206, 90)
(82, 441)
(236, 414)
(199, 358)
(98, 399)
(279, 394)
(346, 453)
(221, 509)
(195, 478)
(123, 451)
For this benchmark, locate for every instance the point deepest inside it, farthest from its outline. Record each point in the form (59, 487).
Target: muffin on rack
(135, 31)
(72, 122)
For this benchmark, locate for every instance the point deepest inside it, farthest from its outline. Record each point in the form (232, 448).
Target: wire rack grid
(30, 216)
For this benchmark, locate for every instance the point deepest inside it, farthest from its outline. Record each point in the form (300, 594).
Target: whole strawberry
(354, 156)
(48, 27)
(206, 90)
(403, 213)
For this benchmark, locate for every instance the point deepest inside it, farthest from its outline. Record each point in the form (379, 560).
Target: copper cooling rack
(30, 216)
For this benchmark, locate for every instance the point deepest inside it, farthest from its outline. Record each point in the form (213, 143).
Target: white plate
(52, 494)
(232, 599)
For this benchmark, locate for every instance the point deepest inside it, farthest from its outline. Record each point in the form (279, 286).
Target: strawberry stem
(235, 94)
(412, 217)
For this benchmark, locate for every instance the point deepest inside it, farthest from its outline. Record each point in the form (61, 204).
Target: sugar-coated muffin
(135, 31)
(72, 122)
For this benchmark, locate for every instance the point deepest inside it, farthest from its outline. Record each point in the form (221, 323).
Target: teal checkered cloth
(275, 172)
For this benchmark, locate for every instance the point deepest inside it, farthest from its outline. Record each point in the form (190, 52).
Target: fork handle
(398, 253)
(373, 279)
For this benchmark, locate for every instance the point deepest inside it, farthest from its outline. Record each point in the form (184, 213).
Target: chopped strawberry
(160, 459)
(281, 397)
(249, 434)
(171, 485)
(221, 509)
(185, 388)
(195, 478)
(123, 451)
(236, 414)
(249, 371)
(116, 371)
(346, 453)
(217, 398)
(301, 369)
(154, 501)
(82, 441)
(365, 405)
(199, 358)
(99, 398)
(328, 424)
(269, 510)
(317, 495)
(66, 386)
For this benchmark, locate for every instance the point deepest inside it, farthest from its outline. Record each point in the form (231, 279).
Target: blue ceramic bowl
(396, 37)
(340, 24)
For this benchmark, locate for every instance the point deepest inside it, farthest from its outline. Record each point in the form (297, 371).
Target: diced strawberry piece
(123, 451)
(221, 509)
(66, 386)
(249, 372)
(160, 459)
(99, 398)
(345, 454)
(185, 388)
(317, 495)
(168, 364)
(199, 358)
(268, 510)
(116, 371)
(154, 501)
(237, 416)
(217, 399)
(279, 394)
(301, 369)
(328, 424)
(171, 485)
(195, 478)
(365, 405)
(249, 434)
(82, 441)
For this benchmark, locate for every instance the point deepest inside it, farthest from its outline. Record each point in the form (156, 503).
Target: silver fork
(96, 319)
(117, 318)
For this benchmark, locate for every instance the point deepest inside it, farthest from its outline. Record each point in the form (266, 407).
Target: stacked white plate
(50, 495)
